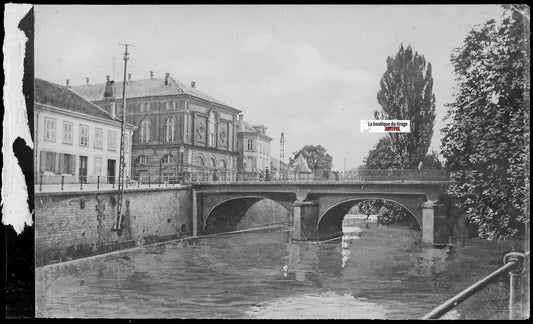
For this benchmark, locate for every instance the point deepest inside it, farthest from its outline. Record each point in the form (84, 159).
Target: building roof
(55, 95)
(301, 165)
(245, 127)
(144, 88)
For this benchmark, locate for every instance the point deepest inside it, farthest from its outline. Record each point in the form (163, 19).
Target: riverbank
(492, 302)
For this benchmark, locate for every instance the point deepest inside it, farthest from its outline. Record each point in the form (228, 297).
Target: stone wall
(79, 224)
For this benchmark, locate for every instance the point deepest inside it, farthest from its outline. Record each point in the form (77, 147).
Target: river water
(371, 272)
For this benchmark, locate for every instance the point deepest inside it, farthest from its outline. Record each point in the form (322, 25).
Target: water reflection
(370, 272)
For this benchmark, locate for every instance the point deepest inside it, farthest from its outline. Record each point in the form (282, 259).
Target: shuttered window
(49, 161)
(58, 163)
(50, 129)
(112, 139)
(67, 164)
(98, 138)
(67, 132)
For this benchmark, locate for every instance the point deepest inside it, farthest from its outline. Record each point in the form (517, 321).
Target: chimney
(151, 74)
(112, 109)
(68, 83)
(109, 88)
(193, 84)
(167, 77)
(87, 80)
(241, 116)
(129, 76)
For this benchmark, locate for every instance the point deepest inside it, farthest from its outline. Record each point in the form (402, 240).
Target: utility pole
(345, 165)
(281, 151)
(122, 163)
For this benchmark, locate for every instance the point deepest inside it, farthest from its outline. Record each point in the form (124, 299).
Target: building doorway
(110, 171)
(83, 169)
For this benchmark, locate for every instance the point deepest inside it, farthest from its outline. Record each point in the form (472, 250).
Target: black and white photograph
(267, 161)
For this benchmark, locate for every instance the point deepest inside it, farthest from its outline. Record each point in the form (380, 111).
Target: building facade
(75, 140)
(254, 147)
(179, 130)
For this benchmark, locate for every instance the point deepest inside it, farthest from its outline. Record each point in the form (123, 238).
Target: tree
(486, 136)
(431, 161)
(370, 206)
(316, 157)
(406, 93)
(382, 156)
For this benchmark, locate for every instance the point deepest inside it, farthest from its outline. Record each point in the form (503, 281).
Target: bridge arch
(227, 214)
(330, 221)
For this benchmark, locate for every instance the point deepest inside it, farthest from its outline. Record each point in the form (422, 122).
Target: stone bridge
(316, 208)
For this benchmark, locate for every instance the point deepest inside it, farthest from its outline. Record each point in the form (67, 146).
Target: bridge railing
(194, 175)
(359, 175)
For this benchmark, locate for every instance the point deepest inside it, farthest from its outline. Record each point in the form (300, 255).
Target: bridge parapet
(328, 176)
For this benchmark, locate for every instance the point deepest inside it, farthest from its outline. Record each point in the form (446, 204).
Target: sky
(310, 71)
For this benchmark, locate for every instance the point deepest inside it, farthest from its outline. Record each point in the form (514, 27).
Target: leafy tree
(406, 93)
(431, 161)
(315, 156)
(382, 156)
(486, 137)
(369, 207)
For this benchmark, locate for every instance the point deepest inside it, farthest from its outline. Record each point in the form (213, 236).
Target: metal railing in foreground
(513, 264)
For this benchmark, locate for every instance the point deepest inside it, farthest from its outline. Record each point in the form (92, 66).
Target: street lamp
(182, 150)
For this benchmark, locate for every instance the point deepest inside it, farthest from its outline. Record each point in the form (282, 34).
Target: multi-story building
(179, 129)
(253, 146)
(75, 139)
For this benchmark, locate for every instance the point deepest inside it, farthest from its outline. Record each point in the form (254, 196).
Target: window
(222, 164)
(187, 127)
(167, 105)
(144, 131)
(67, 132)
(98, 165)
(141, 106)
(250, 146)
(98, 138)
(58, 163)
(250, 164)
(200, 161)
(49, 162)
(211, 128)
(68, 164)
(213, 163)
(167, 158)
(50, 129)
(84, 135)
(169, 129)
(112, 140)
(142, 159)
